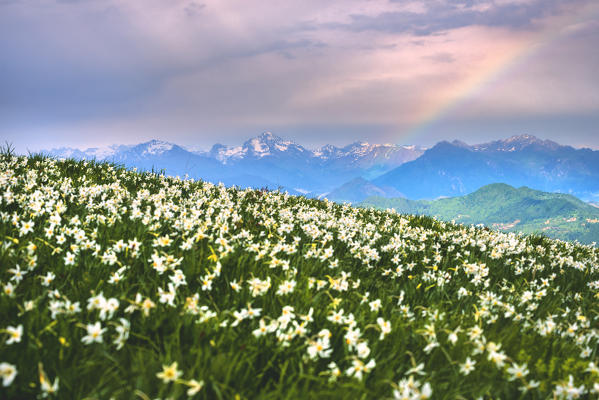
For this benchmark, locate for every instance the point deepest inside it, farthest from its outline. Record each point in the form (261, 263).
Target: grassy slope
(503, 204)
(415, 266)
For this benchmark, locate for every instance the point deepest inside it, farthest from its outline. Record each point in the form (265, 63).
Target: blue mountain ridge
(453, 169)
(359, 170)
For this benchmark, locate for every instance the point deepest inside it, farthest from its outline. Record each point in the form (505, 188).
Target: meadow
(121, 284)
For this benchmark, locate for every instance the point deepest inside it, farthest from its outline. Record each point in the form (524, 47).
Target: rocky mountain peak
(516, 143)
(155, 147)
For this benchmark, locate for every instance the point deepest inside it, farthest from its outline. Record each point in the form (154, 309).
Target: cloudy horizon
(90, 73)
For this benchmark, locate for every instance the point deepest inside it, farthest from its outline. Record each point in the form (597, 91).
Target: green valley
(505, 208)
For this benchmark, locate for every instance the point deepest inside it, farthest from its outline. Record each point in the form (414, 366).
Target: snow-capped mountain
(375, 159)
(97, 153)
(157, 147)
(148, 150)
(156, 155)
(268, 144)
(115, 152)
(359, 153)
(362, 150)
(516, 143)
(261, 146)
(265, 160)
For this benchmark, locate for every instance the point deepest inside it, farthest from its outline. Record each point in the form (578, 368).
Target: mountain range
(359, 170)
(263, 161)
(503, 207)
(453, 169)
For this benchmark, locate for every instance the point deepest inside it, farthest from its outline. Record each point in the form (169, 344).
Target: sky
(87, 73)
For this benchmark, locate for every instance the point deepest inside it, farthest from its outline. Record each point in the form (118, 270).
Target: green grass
(433, 279)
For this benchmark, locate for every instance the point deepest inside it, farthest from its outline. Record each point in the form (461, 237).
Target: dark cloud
(441, 16)
(194, 8)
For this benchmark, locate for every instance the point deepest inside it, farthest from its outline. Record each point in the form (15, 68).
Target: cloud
(109, 69)
(438, 16)
(441, 57)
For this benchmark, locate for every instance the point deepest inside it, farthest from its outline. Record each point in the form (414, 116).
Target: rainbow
(486, 77)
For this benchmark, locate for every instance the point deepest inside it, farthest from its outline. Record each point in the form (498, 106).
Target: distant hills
(453, 169)
(359, 170)
(503, 207)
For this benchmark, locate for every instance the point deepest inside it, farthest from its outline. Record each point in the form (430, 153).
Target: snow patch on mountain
(100, 153)
(234, 152)
(514, 143)
(64, 152)
(259, 147)
(156, 147)
(92, 153)
(281, 147)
